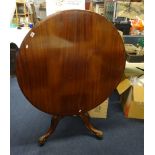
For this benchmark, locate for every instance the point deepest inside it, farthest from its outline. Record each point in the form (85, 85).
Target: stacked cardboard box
(132, 97)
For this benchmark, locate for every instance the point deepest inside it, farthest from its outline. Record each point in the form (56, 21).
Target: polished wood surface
(70, 62)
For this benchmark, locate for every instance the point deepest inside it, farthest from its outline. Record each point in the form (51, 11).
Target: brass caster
(100, 136)
(42, 141)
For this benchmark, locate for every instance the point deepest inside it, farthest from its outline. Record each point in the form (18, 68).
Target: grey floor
(122, 136)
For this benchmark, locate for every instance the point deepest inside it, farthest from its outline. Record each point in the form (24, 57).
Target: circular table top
(70, 62)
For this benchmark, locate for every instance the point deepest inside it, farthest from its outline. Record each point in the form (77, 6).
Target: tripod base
(55, 120)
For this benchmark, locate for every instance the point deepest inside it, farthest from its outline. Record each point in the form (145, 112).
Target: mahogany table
(70, 63)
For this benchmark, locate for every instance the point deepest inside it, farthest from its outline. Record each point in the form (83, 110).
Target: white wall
(12, 7)
(53, 6)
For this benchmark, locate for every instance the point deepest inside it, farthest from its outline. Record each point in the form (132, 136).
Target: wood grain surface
(70, 62)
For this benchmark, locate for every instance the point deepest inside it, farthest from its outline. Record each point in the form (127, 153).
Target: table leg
(91, 128)
(54, 122)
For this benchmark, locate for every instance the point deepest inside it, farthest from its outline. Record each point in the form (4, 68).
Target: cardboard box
(100, 111)
(132, 97)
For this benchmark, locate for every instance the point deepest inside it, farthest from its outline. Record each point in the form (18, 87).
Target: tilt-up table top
(70, 62)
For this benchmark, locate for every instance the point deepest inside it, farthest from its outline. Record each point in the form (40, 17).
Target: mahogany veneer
(69, 63)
